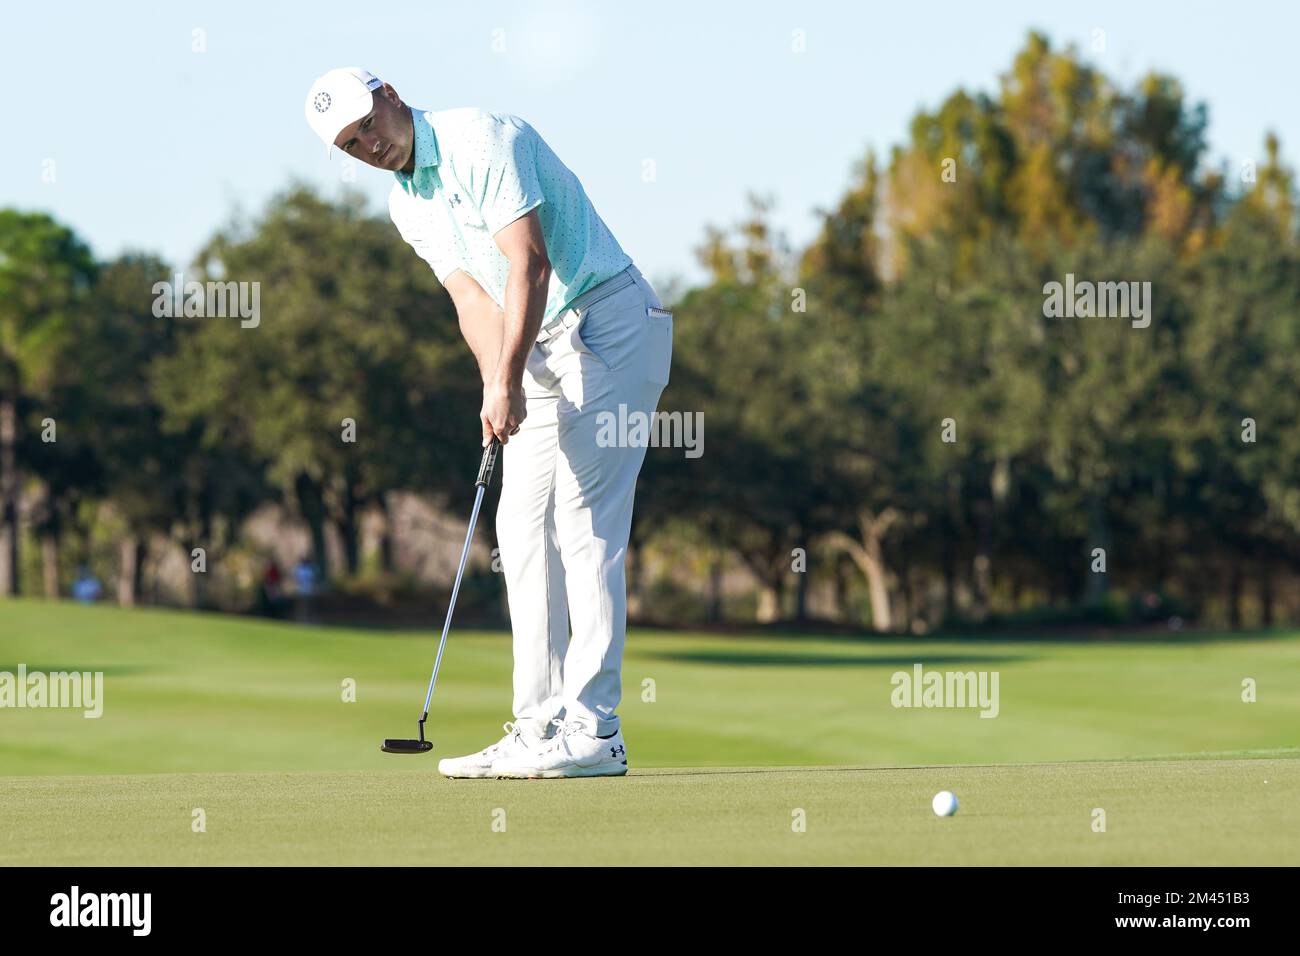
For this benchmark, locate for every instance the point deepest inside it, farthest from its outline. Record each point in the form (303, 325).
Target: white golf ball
(944, 803)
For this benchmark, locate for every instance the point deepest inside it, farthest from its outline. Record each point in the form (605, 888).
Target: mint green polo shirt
(477, 172)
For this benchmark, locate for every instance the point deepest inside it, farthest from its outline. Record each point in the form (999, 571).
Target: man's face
(383, 138)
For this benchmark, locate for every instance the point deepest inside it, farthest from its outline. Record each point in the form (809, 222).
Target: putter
(394, 745)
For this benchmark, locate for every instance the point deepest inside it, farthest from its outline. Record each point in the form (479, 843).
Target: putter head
(394, 746)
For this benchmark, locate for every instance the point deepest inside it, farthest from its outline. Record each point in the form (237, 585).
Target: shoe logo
(455, 199)
(617, 751)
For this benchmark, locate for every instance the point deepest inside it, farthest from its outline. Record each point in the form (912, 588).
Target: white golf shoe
(573, 752)
(516, 741)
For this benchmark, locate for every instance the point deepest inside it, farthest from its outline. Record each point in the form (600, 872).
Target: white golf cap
(338, 98)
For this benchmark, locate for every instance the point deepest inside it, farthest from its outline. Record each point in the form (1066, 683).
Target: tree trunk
(1266, 595)
(1234, 597)
(982, 565)
(349, 526)
(769, 565)
(387, 548)
(715, 588)
(950, 580)
(350, 535)
(1098, 537)
(199, 579)
(841, 592)
(9, 487)
(50, 564)
(130, 552)
(801, 597)
(952, 538)
(906, 595)
(867, 553)
(874, 569)
(769, 603)
(196, 577)
(311, 505)
(999, 490)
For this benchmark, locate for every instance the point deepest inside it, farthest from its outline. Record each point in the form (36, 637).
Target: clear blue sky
(156, 145)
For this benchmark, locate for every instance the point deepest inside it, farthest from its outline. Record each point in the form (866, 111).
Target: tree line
(896, 414)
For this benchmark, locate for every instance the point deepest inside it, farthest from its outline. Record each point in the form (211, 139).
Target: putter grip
(489, 460)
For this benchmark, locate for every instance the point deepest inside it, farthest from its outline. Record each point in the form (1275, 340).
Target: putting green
(1229, 812)
(728, 738)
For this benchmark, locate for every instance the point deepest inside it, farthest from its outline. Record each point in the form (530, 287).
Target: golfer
(567, 333)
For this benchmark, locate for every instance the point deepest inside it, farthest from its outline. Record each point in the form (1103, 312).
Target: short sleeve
(418, 233)
(502, 176)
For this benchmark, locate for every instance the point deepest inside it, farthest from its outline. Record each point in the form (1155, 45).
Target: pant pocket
(578, 344)
(659, 345)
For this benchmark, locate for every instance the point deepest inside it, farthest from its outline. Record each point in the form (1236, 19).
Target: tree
(737, 362)
(356, 339)
(45, 274)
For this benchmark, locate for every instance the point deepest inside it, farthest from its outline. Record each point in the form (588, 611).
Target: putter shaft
(481, 483)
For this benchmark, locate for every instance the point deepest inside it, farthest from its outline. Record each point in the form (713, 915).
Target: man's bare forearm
(521, 242)
(482, 328)
(526, 291)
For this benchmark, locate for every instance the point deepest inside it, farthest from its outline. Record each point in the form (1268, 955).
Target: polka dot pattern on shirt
(491, 169)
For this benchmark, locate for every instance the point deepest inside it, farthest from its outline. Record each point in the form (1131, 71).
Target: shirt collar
(426, 150)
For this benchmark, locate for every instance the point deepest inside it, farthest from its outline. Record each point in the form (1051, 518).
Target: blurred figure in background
(272, 599)
(86, 589)
(305, 578)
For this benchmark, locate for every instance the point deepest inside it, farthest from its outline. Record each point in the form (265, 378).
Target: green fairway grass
(245, 719)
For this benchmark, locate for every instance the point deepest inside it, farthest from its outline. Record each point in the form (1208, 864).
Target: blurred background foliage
(824, 375)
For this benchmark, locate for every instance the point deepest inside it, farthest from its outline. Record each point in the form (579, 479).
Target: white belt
(567, 320)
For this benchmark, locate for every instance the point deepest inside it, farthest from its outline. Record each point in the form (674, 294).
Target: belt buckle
(547, 335)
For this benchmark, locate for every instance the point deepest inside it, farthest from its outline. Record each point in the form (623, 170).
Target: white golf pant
(568, 478)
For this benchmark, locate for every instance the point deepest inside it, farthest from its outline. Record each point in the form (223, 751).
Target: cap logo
(322, 102)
